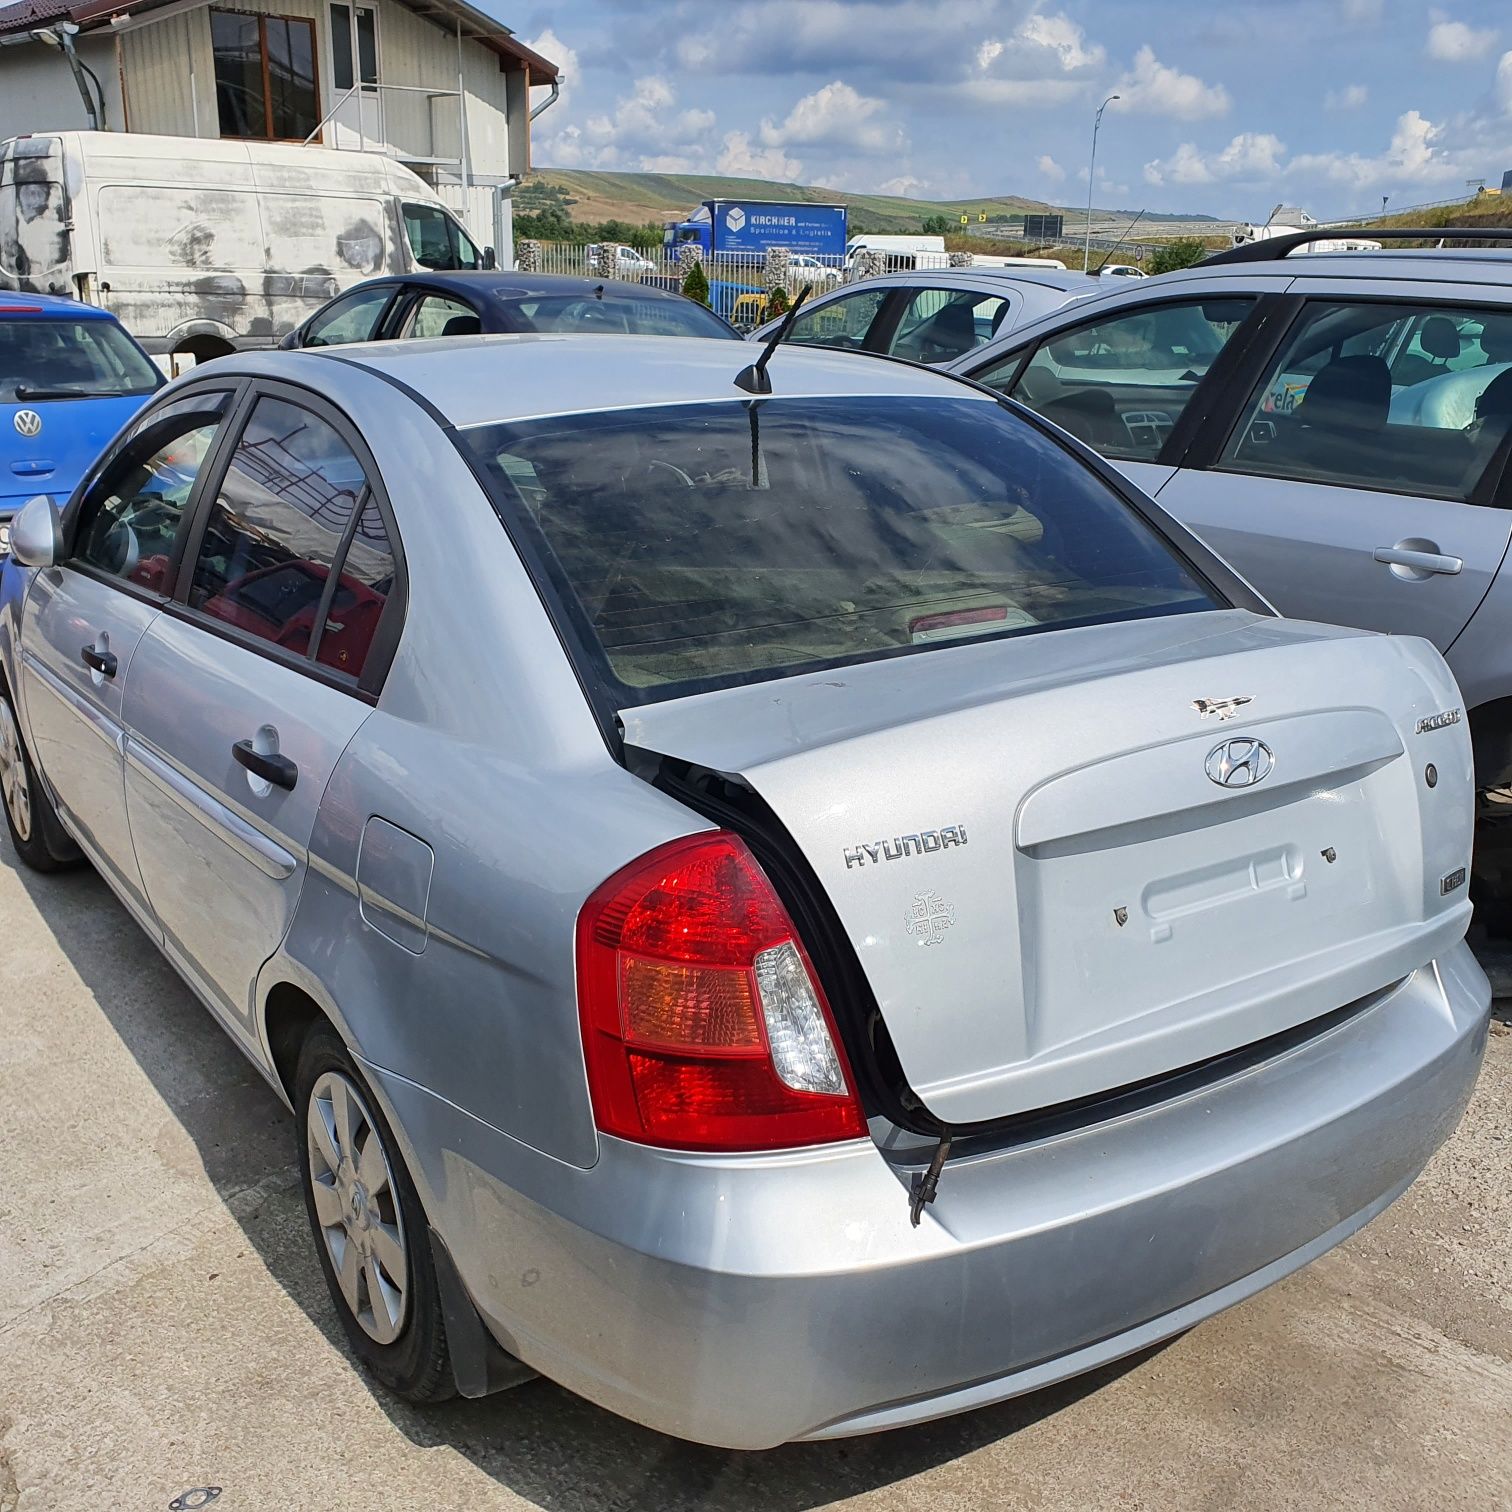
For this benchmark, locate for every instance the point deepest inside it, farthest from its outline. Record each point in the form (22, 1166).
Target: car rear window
(615, 314)
(71, 359)
(700, 546)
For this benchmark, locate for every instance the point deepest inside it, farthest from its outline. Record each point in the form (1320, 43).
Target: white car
(1121, 270)
(804, 269)
(628, 262)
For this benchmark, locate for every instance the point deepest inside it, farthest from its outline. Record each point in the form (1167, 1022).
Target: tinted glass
(1121, 383)
(841, 322)
(352, 318)
(291, 77)
(703, 545)
(437, 241)
(341, 48)
(129, 520)
(438, 316)
(367, 45)
(616, 314)
(939, 324)
(273, 533)
(362, 590)
(239, 97)
(71, 359)
(1406, 398)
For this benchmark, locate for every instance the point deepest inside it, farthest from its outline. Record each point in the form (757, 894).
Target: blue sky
(1228, 107)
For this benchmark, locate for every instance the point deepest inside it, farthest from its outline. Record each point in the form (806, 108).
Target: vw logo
(28, 423)
(1239, 763)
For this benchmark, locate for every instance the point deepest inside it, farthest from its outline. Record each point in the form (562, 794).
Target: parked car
(932, 316)
(789, 918)
(628, 263)
(203, 246)
(1336, 426)
(469, 304)
(1121, 270)
(70, 378)
(803, 269)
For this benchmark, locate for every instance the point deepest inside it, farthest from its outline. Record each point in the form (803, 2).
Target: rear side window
(704, 545)
(1405, 398)
(941, 324)
(1121, 383)
(293, 504)
(435, 315)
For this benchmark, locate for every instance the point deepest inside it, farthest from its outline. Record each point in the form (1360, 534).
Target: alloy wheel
(14, 788)
(357, 1206)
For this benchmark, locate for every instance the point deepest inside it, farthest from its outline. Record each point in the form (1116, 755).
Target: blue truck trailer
(736, 232)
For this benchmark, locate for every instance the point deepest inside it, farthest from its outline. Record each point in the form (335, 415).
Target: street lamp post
(1091, 176)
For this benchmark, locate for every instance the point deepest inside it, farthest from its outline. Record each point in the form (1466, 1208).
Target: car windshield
(615, 314)
(71, 359)
(699, 546)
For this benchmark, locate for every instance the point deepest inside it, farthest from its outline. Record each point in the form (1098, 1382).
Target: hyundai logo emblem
(28, 423)
(1239, 763)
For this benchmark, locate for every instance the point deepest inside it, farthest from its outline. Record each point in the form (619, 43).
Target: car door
(85, 618)
(250, 684)
(1122, 380)
(1359, 478)
(842, 320)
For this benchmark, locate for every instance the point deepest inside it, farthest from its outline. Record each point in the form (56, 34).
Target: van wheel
(200, 349)
(370, 1232)
(35, 829)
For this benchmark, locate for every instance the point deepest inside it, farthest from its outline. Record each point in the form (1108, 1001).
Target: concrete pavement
(164, 1326)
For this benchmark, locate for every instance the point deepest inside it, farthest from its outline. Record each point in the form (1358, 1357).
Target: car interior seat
(948, 333)
(1440, 339)
(1090, 416)
(462, 325)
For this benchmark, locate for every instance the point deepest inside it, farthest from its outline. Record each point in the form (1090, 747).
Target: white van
(200, 246)
(903, 254)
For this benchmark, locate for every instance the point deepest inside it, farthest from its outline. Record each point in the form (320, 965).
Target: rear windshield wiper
(23, 392)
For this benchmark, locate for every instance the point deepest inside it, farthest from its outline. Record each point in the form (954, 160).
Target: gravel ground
(163, 1324)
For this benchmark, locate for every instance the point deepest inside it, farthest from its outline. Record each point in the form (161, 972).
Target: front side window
(1121, 383)
(1401, 397)
(704, 545)
(939, 324)
(129, 519)
(435, 315)
(71, 359)
(841, 322)
(287, 507)
(354, 317)
(265, 76)
(438, 242)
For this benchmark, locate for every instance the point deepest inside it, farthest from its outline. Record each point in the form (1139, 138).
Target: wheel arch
(1491, 740)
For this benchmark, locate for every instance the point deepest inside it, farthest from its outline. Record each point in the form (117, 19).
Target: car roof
(1049, 278)
(508, 283)
(1447, 265)
(50, 305)
(487, 379)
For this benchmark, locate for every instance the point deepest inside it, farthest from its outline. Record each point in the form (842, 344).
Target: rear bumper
(748, 1301)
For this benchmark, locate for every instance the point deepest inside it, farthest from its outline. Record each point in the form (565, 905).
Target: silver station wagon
(790, 900)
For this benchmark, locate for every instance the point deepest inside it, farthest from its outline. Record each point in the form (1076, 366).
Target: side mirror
(36, 536)
(290, 341)
(490, 259)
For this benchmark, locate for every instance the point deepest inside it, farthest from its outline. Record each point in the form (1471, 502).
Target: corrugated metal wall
(170, 76)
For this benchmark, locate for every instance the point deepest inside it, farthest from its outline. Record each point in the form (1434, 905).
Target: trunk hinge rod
(924, 1187)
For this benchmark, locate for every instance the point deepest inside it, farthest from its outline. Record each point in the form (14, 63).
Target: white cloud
(1501, 88)
(1063, 37)
(836, 116)
(1050, 169)
(740, 158)
(1154, 88)
(1351, 97)
(1417, 154)
(1361, 12)
(1454, 42)
(1251, 155)
(905, 184)
(645, 129)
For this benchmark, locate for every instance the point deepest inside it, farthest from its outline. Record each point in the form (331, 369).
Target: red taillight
(704, 1027)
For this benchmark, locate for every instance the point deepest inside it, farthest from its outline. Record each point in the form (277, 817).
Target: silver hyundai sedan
(791, 900)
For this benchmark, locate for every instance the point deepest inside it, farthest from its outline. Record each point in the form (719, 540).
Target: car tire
(35, 829)
(370, 1232)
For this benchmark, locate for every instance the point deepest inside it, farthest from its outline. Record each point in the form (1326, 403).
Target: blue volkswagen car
(70, 378)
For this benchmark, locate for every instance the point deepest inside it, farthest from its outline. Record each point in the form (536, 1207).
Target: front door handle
(1421, 563)
(103, 662)
(271, 767)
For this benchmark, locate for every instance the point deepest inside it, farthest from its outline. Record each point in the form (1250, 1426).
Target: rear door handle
(278, 770)
(1421, 561)
(103, 662)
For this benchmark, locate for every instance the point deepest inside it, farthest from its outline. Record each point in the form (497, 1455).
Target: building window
(265, 76)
